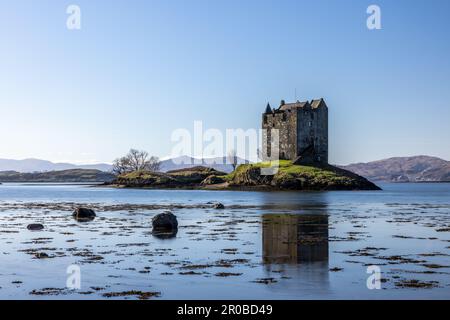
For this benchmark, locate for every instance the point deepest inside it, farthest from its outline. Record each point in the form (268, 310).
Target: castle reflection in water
(295, 239)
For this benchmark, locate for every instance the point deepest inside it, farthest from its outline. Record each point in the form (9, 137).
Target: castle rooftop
(295, 105)
(314, 104)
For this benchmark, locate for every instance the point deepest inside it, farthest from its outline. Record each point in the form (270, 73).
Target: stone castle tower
(303, 131)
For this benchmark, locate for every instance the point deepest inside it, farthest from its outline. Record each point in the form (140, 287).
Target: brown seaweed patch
(227, 274)
(48, 292)
(139, 294)
(433, 266)
(265, 280)
(336, 269)
(416, 284)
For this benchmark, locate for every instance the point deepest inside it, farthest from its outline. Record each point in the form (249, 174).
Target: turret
(268, 108)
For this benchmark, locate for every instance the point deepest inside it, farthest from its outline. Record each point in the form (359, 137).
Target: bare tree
(136, 160)
(232, 158)
(120, 166)
(153, 164)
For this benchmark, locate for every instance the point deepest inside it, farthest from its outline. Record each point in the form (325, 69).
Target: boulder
(165, 221)
(219, 206)
(84, 214)
(35, 227)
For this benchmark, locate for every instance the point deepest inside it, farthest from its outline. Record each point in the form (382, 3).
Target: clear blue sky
(137, 70)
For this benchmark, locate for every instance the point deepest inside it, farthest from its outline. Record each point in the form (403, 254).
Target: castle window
(284, 117)
(310, 123)
(265, 119)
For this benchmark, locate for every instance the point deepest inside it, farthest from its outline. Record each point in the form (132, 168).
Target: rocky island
(248, 177)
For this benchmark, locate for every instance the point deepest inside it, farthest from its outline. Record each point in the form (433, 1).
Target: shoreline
(262, 188)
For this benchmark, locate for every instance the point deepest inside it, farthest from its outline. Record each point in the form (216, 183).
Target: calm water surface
(264, 245)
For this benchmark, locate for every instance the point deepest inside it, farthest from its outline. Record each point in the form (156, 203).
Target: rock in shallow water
(84, 214)
(165, 221)
(41, 255)
(219, 206)
(35, 227)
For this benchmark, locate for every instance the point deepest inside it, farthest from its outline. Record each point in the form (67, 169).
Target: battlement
(313, 104)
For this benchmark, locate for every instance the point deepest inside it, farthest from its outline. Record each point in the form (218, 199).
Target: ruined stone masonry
(302, 129)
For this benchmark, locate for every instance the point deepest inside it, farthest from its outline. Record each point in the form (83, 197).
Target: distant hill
(404, 169)
(73, 175)
(37, 165)
(183, 162)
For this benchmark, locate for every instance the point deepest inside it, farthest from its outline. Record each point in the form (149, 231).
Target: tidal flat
(262, 245)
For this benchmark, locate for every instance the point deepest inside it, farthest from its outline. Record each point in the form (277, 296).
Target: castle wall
(321, 133)
(286, 123)
(303, 131)
(313, 130)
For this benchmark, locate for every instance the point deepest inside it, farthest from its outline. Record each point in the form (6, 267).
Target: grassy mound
(142, 178)
(298, 177)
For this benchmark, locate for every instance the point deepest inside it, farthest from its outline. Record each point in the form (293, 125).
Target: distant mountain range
(400, 169)
(37, 165)
(219, 164)
(404, 169)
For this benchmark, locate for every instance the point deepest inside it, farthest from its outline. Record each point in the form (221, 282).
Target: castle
(302, 129)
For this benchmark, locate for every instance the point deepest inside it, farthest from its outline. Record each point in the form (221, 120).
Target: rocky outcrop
(211, 180)
(250, 176)
(195, 175)
(183, 178)
(295, 177)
